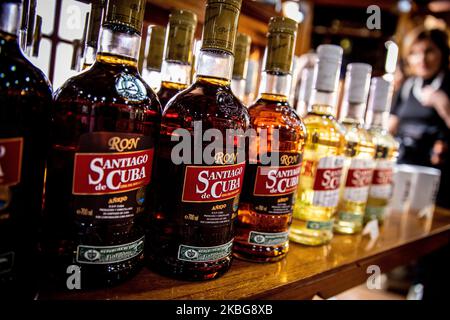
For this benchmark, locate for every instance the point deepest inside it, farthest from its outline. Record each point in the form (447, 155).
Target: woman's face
(424, 59)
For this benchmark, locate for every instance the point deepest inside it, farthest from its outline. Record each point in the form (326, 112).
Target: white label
(359, 178)
(381, 187)
(328, 181)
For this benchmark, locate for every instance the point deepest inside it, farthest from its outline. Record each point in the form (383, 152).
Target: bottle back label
(267, 239)
(11, 150)
(327, 181)
(381, 187)
(204, 254)
(359, 177)
(275, 187)
(109, 254)
(110, 175)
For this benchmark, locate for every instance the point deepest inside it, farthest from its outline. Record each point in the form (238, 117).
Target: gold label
(241, 52)
(180, 39)
(221, 21)
(280, 52)
(128, 13)
(155, 52)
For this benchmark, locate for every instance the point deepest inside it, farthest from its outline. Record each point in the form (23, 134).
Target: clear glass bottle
(320, 178)
(25, 101)
(191, 230)
(241, 53)
(265, 210)
(95, 21)
(386, 149)
(106, 122)
(156, 36)
(176, 67)
(306, 82)
(359, 151)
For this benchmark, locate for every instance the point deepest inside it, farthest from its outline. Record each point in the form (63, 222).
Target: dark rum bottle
(241, 53)
(105, 127)
(191, 231)
(25, 101)
(176, 67)
(95, 21)
(270, 187)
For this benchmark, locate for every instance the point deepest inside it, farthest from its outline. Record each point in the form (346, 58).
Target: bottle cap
(221, 22)
(95, 21)
(126, 14)
(381, 92)
(327, 70)
(181, 30)
(357, 82)
(241, 52)
(155, 47)
(281, 44)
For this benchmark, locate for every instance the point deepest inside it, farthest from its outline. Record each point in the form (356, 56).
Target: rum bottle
(270, 186)
(201, 161)
(359, 151)
(386, 149)
(106, 122)
(151, 73)
(25, 102)
(241, 53)
(320, 177)
(176, 67)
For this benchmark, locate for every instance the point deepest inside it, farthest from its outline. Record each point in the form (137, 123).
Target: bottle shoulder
(383, 138)
(108, 85)
(275, 114)
(326, 124)
(19, 75)
(209, 103)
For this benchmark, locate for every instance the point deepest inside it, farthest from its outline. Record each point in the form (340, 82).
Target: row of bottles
(119, 190)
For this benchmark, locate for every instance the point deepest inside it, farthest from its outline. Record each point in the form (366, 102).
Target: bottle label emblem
(130, 88)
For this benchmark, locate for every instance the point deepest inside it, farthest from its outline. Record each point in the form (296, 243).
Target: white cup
(415, 188)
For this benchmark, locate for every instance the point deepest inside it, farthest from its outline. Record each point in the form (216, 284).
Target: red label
(212, 183)
(358, 178)
(382, 176)
(327, 179)
(104, 173)
(274, 181)
(10, 161)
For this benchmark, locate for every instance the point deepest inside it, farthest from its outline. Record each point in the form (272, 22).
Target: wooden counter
(305, 272)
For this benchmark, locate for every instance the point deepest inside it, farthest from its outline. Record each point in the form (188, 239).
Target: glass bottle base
(262, 254)
(190, 271)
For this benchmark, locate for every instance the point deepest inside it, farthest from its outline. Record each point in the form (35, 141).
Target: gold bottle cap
(181, 30)
(221, 22)
(241, 52)
(281, 44)
(128, 14)
(155, 45)
(95, 21)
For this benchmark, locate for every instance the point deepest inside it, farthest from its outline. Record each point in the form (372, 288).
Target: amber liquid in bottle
(263, 221)
(25, 101)
(168, 90)
(105, 127)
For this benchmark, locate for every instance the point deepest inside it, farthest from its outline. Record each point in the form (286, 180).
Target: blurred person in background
(420, 116)
(420, 119)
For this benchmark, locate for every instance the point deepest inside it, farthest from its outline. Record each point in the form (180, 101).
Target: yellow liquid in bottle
(314, 209)
(357, 176)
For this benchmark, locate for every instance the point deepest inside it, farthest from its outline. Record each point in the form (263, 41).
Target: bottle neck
(118, 47)
(238, 88)
(275, 84)
(352, 113)
(175, 72)
(215, 64)
(90, 54)
(322, 102)
(10, 15)
(377, 119)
